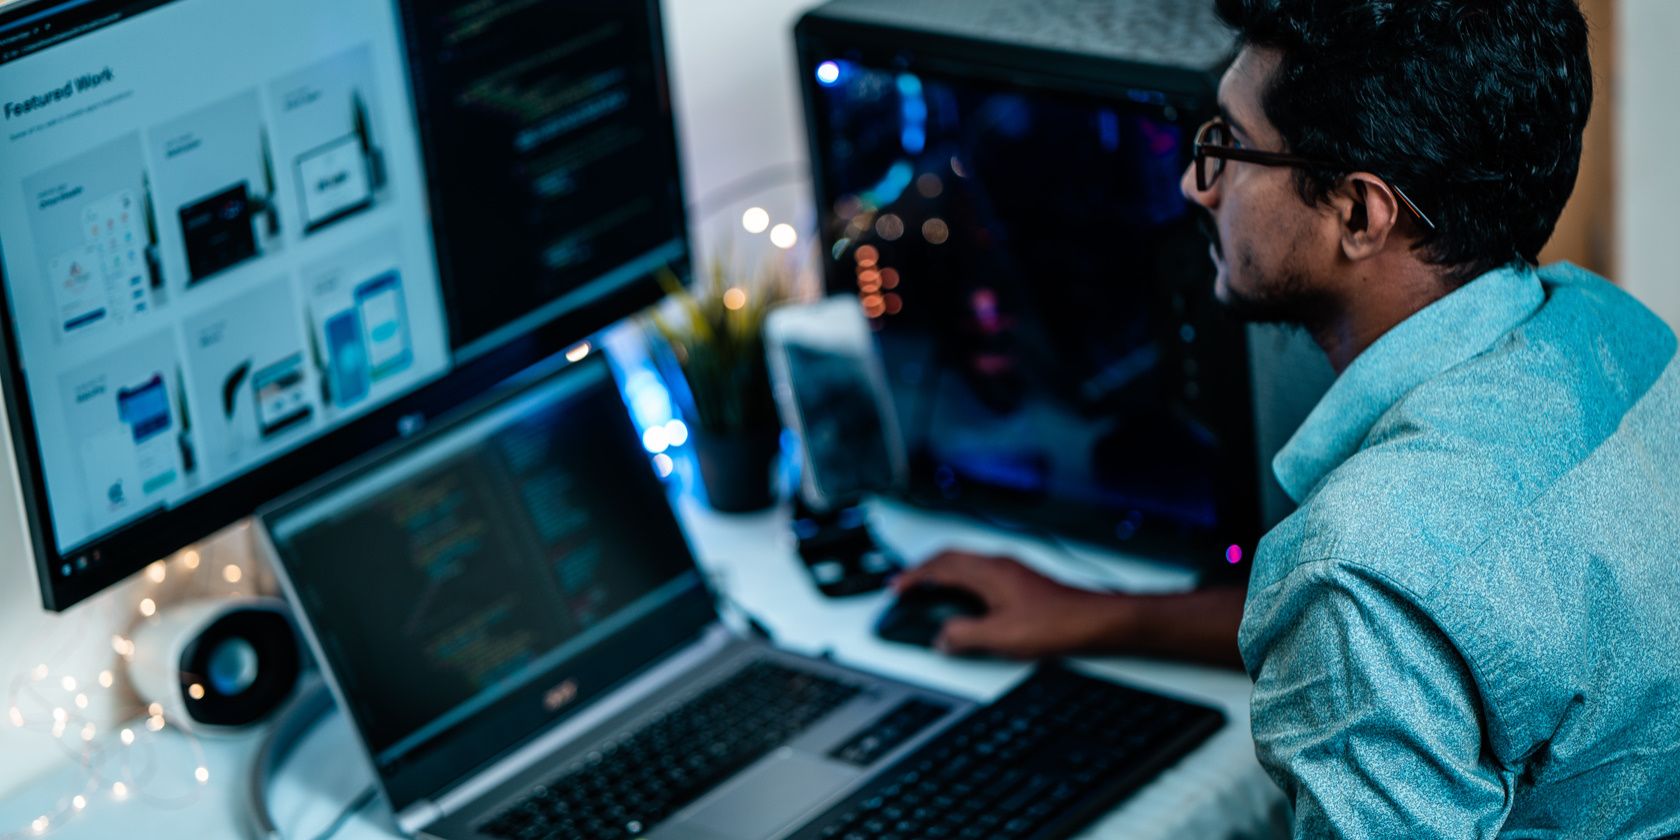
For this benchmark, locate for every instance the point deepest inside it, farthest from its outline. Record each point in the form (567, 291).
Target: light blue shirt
(1471, 626)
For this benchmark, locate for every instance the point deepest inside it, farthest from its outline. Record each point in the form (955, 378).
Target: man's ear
(1368, 212)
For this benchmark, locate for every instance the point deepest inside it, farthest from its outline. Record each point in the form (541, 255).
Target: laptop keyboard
(627, 788)
(1041, 762)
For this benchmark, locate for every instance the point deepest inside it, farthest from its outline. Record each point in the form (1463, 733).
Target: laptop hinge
(713, 640)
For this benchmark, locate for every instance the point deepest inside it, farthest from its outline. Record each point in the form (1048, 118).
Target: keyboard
(1042, 762)
(625, 789)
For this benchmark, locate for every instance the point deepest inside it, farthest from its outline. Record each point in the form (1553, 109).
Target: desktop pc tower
(998, 181)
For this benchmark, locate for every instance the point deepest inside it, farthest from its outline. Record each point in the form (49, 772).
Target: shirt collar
(1440, 336)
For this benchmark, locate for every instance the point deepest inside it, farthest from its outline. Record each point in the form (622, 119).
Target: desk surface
(1218, 791)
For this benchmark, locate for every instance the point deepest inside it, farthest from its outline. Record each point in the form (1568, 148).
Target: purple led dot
(1233, 555)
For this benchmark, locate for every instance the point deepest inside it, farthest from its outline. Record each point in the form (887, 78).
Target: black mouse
(921, 612)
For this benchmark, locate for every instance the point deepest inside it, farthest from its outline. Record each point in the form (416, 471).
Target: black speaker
(216, 665)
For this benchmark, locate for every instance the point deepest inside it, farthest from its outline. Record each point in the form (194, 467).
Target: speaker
(217, 665)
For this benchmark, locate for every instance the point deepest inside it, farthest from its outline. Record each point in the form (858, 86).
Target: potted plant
(714, 335)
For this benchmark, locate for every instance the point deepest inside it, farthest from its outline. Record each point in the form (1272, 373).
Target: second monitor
(245, 242)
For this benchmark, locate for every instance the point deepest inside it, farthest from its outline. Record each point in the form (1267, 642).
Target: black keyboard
(627, 788)
(1041, 762)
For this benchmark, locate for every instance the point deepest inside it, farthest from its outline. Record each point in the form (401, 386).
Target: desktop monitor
(243, 241)
(999, 183)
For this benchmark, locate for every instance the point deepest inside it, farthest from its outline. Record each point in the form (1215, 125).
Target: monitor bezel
(117, 554)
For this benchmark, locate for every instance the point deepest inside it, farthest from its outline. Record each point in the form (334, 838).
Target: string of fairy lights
(119, 763)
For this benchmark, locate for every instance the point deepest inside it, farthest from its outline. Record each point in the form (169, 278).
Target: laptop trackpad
(771, 795)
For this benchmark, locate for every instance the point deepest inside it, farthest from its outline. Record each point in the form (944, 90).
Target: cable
(717, 582)
(308, 707)
(361, 801)
(749, 185)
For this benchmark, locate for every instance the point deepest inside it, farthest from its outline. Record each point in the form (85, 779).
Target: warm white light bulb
(79, 802)
(88, 732)
(202, 774)
(69, 683)
(105, 679)
(232, 574)
(195, 691)
(155, 723)
(127, 737)
(755, 220)
(784, 236)
(578, 353)
(81, 701)
(156, 572)
(148, 607)
(59, 715)
(154, 710)
(189, 558)
(40, 824)
(119, 790)
(39, 672)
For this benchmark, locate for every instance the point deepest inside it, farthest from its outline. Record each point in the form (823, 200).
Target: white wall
(1648, 174)
(739, 113)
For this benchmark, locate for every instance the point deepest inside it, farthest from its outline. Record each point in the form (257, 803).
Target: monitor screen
(1041, 297)
(235, 230)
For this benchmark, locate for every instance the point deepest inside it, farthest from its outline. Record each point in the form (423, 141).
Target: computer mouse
(921, 611)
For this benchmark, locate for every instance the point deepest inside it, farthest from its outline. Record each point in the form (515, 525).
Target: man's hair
(1475, 108)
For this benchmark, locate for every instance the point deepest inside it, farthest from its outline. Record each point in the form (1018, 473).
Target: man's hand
(1027, 614)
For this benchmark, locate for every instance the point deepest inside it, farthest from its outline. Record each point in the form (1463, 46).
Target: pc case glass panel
(1042, 299)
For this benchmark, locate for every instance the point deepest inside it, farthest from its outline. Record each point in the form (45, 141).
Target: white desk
(1218, 791)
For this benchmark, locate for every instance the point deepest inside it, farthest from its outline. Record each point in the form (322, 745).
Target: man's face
(1269, 246)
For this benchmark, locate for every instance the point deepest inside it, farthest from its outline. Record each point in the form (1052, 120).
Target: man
(1471, 625)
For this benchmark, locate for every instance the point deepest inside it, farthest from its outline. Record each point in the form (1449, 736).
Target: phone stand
(840, 551)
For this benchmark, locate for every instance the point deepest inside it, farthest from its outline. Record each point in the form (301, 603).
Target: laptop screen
(472, 586)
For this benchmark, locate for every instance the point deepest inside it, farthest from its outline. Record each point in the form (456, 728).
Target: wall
(1586, 234)
(1648, 120)
(741, 119)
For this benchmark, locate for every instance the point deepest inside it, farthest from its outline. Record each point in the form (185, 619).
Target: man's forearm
(1199, 626)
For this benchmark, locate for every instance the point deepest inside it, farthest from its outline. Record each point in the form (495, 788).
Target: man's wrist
(1106, 622)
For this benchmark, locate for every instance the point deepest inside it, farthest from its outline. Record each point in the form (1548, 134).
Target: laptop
(509, 613)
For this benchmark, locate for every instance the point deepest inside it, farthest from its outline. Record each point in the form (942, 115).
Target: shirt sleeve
(1364, 713)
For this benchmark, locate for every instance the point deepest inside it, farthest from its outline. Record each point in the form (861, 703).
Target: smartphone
(831, 390)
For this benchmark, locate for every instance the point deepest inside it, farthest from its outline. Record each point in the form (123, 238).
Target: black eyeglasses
(1215, 145)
